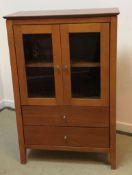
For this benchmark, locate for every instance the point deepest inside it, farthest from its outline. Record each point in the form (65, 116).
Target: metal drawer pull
(65, 137)
(64, 117)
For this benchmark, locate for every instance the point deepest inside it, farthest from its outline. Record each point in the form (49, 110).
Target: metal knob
(57, 67)
(64, 117)
(65, 137)
(66, 68)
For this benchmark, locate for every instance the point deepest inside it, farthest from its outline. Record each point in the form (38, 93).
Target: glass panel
(84, 47)
(40, 82)
(38, 48)
(85, 82)
(85, 64)
(39, 65)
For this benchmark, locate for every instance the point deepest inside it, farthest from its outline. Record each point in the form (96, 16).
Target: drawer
(66, 116)
(67, 136)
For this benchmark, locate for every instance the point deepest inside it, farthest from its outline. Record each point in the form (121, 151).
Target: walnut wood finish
(67, 136)
(65, 123)
(66, 116)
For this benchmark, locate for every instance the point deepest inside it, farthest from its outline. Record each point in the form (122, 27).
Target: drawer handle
(65, 137)
(64, 117)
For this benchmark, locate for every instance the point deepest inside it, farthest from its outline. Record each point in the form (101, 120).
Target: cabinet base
(111, 156)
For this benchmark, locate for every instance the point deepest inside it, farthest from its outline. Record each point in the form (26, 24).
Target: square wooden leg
(23, 157)
(113, 160)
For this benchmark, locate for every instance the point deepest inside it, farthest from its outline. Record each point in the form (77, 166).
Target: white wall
(124, 62)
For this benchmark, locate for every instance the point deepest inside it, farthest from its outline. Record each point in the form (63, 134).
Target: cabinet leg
(23, 157)
(113, 160)
(108, 159)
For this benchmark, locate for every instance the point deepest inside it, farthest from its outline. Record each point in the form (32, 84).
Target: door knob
(64, 117)
(65, 67)
(57, 67)
(65, 138)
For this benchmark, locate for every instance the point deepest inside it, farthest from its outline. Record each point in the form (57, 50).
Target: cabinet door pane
(38, 48)
(85, 64)
(85, 82)
(84, 47)
(40, 82)
(39, 65)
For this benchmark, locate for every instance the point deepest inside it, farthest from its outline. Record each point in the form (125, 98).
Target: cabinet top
(64, 13)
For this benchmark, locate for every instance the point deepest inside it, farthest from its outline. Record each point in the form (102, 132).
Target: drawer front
(67, 136)
(87, 116)
(42, 115)
(66, 116)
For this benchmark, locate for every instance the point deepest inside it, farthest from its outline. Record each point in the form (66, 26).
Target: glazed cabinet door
(85, 60)
(38, 55)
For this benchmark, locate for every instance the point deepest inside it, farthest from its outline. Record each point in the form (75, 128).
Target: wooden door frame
(103, 28)
(39, 29)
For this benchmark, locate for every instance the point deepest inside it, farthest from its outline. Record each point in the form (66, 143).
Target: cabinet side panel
(113, 45)
(16, 90)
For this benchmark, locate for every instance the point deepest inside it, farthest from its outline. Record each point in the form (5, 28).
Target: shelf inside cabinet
(39, 64)
(85, 64)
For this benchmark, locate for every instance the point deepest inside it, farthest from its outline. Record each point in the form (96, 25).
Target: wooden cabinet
(64, 77)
